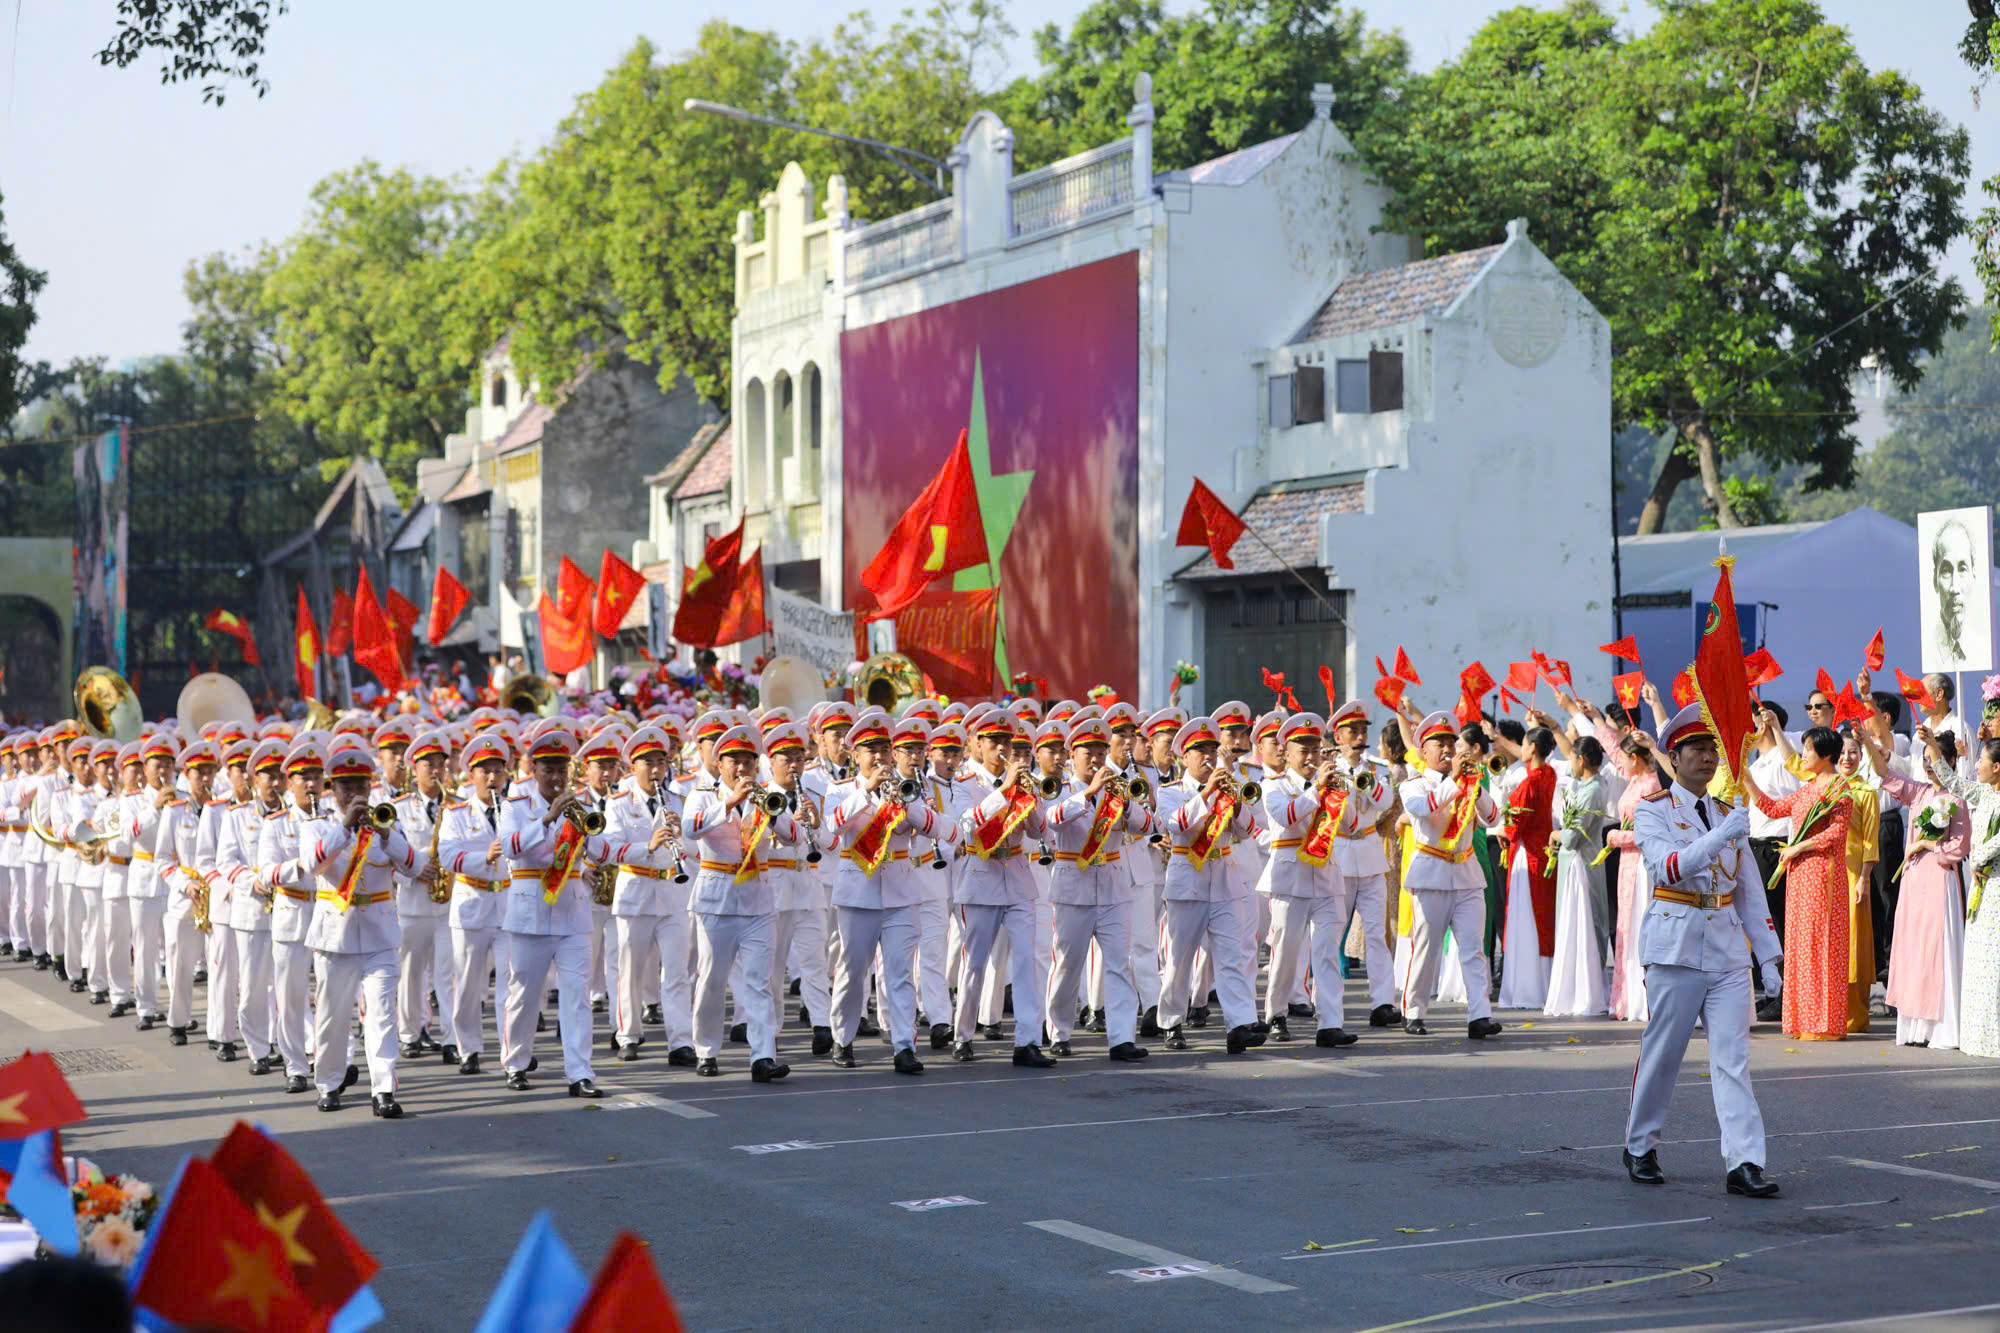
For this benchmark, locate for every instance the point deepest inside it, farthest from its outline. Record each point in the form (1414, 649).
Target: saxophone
(440, 886)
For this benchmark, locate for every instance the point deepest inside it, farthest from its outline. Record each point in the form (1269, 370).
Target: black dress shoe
(62, 970)
(226, 1052)
(844, 1056)
(1197, 1017)
(1176, 1039)
(1280, 1029)
(681, 1057)
(100, 997)
(739, 1034)
(598, 1006)
(78, 986)
(1479, 1029)
(822, 1040)
(629, 1052)
(708, 1068)
(1149, 1022)
(175, 1036)
(120, 1009)
(1416, 1027)
(1770, 1010)
(767, 1071)
(1334, 1037)
(213, 1045)
(517, 1081)
(612, 1037)
(298, 1083)
(584, 1087)
(1031, 1057)
(448, 1053)
(1096, 1023)
(350, 1078)
(263, 1064)
(990, 1031)
(43, 962)
(1242, 1037)
(201, 976)
(1384, 1016)
(1645, 1168)
(867, 1028)
(1748, 1180)
(411, 1050)
(1126, 1050)
(470, 1064)
(384, 1105)
(940, 1036)
(650, 1014)
(907, 1062)
(1055, 1048)
(541, 1022)
(962, 1053)
(1297, 1010)
(330, 1101)
(534, 1063)
(555, 996)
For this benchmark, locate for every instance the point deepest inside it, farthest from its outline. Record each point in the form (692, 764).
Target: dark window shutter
(1309, 394)
(1385, 381)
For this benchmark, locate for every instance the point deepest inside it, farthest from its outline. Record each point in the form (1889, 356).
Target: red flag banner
(228, 622)
(1207, 521)
(1556, 672)
(403, 615)
(1847, 706)
(305, 647)
(340, 625)
(1507, 700)
(374, 637)
(1521, 675)
(1475, 681)
(1875, 653)
(1405, 671)
(1630, 688)
(1467, 711)
(214, 1264)
(618, 586)
(1627, 648)
(949, 635)
(1914, 689)
(574, 591)
(1389, 690)
(1326, 683)
(1684, 688)
(1721, 682)
(35, 1096)
(626, 1293)
(328, 1263)
(1824, 684)
(707, 588)
(744, 617)
(1275, 682)
(448, 602)
(565, 642)
(1763, 668)
(940, 533)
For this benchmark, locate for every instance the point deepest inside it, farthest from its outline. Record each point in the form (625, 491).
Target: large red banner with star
(1043, 377)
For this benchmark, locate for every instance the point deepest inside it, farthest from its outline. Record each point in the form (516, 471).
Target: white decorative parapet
(1073, 190)
(912, 240)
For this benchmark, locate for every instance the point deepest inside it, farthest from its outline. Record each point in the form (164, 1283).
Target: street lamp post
(894, 153)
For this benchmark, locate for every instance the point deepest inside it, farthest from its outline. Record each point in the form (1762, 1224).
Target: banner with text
(804, 628)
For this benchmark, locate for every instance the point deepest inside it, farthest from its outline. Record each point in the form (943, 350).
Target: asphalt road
(1404, 1182)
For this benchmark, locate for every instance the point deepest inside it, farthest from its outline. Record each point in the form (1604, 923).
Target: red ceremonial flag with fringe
(448, 602)
(1721, 682)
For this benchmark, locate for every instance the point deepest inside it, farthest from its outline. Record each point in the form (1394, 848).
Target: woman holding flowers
(1635, 890)
(1576, 982)
(1979, 990)
(1816, 896)
(1929, 937)
(1864, 828)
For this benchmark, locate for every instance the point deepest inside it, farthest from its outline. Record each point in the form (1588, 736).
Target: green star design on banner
(1000, 501)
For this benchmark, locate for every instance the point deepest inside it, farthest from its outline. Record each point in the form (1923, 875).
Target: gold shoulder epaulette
(1659, 795)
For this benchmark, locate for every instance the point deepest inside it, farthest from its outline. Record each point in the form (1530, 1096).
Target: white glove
(1774, 984)
(1735, 824)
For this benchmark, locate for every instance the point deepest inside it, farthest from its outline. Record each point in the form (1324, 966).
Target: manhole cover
(1580, 1284)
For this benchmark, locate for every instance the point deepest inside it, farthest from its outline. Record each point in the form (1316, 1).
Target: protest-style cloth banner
(803, 628)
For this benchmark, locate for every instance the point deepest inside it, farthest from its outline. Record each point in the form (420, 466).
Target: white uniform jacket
(278, 862)
(478, 886)
(645, 885)
(367, 923)
(1002, 878)
(1290, 805)
(420, 819)
(1359, 847)
(894, 883)
(714, 830)
(1070, 818)
(1184, 815)
(1665, 826)
(1427, 800)
(531, 847)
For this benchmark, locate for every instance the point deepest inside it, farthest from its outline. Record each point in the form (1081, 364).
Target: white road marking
(39, 1012)
(633, 1100)
(1891, 1318)
(1343, 1067)
(1974, 1181)
(1159, 1258)
(942, 1201)
(760, 1149)
(1161, 1273)
(1483, 1240)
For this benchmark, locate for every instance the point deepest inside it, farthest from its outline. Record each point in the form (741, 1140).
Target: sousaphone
(212, 697)
(790, 682)
(106, 707)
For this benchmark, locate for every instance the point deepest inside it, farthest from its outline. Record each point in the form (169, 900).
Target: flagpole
(1294, 572)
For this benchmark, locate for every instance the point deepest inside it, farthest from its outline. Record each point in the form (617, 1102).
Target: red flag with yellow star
(35, 1096)
(938, 535)
(214, 1265)
(617, 584)
(375, 646)
(707, 590)
(328, 1263)
(228, 622)
(744, 617)
(448, 602)
(574, 591)
(565, 642)
(306, 646)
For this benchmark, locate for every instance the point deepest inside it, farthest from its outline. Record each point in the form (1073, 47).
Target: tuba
(888, 681)
(212, 697)
(530, 695)
(106, 707)
(790, 682)
(319, 717)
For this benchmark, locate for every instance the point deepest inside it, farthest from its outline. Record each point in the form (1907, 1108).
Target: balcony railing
(908, 241)
(1073, 190)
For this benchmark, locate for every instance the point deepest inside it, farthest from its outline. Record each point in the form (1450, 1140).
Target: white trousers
(719, 942)
(223, 981)
(1463, 913)
(344, 978)
(31, 908)
(118, 949)
(603, 954)
(1077, 926)
(862, 930)
(423, 960)
(148, 920)
(1309, 930)
(1000, 963)
(1677, 996)
(186, 950)
(291, 971)
(979, 926)
(73, 921)
(531, 957)
(1145, 930)
(1371, 904)
(473, 950)
(1222, 922)
(652, 967)
(253, 980)
(800, 946)
(15, 925)
(94, 956)
(927, 972)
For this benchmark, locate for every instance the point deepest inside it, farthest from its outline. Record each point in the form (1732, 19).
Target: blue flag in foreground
(39, 1191)
(542, 1287)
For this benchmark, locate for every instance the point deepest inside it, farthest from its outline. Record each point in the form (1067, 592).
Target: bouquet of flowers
(1574, 812)
(1815, 815)
(1989, 693)
(1185, 673)
(1103, 695)
(112, 1216)
(1979, 876)
(1933, 821)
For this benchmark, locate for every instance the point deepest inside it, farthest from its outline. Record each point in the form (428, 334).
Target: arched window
(754, 436)
(783, 423)
(499, 391)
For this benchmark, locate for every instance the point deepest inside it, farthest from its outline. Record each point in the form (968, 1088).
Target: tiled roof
(1287, 516)
(522, 431)
(716, 466)
(1235, 168)
(1388, 296)
(683, 461)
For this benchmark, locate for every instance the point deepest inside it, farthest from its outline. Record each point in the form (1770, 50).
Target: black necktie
(431, 811)
(1701, 813)
(652, 805)
(492, 819)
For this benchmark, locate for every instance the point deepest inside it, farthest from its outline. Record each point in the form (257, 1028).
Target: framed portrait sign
(1955, 588)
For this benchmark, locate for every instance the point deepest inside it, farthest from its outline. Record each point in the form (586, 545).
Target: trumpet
(1245, 790)
(382, 816)
(1136, 787)
(906, 790)
(1364, 780)
(589, 822)
(1050, 785)
(774, 802)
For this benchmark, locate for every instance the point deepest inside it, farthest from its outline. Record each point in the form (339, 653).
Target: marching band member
(799, 941)
(995, 892)
(423, 949)
(1206, 817)
(118, 862)
(1447, 890)
(734, 905)
(936, 877)
(598, 758)
(470, 846)
(220, 941)
(145, 891)
(1358, 850)
(174, 850)
(649, 903)
(1092, 892)
(352, 859)
(1306, 806)
(250, 903)
(292, 907)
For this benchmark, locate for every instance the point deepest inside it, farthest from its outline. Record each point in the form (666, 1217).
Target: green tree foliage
(218, 40)
(1752, 209)
(19, 286)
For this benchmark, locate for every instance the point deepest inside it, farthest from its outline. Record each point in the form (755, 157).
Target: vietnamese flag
(1405, 671)
(566, 643)
(1389, 690)
(939, 534)
(1630, 689)
(1721, 682)
(1763, 668)
(402, 613)
(1847, 706)
(1467, 711)
(35, 1096)
(1507, 700)
(707, 588)
(1326, 683)
(1824, 684)
(1276, 684)
(1475, 681)
(574, 591)
(1206, 521)
(1684, 688)
(340, 625)
(1875, 652)
(374, 637)
(448, 602)
(305, 645)
(1914, 689)
(211, 1263)
(743, 618)
(1627, 648)
(626, 1294)
(228, 622)
(328, 1263)
(618, 585)
(1521, 675)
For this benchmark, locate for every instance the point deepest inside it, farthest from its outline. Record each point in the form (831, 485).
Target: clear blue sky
(113, 181)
